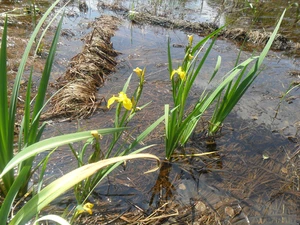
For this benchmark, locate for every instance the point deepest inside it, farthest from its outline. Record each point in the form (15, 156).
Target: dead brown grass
(87, 71)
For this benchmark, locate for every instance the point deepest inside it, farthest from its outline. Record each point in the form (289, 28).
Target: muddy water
(238, 184)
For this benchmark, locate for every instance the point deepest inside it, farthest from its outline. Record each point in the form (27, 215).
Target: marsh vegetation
(90, 96)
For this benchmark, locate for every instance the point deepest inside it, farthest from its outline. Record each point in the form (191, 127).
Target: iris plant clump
(126, 109)
(180, 123)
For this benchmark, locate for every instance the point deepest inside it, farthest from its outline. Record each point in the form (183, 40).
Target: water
(234, 185)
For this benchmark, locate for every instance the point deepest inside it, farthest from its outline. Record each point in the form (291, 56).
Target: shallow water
(236, 177)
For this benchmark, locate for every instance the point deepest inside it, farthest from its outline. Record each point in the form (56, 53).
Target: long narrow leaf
(217, 67)
(51, 143)
(3, 95)
(234, 94)
(5, 152)
(16, 87)
(25, 125)
(198, 45)
(104, 172)
(61, 185)
(145, 133)
(34, 133)
(40, 98)
(54, 218)
(7, 204)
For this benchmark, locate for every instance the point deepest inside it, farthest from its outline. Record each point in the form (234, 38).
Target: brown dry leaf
(200, 206)
(284, 170)
(229, 211)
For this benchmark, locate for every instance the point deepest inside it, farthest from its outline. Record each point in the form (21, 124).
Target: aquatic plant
(29, 143)
(64, 183)
(30, 131)
(180, 123)
(126, 109)
(13, 183)
(235, 89)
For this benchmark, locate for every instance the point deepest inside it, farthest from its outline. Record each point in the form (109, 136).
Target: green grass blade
(200, 43)
(146, 132)
(170, 66)
(54, 218)
(270, 42)
(16, 87)
(61, 185)
(3, 95)
(51, 143)
(229, 78)
(196, 72)
(40, 98)
(58, 12)
(217, 67)
(7, 204)
(6, 152)
(26, 119)
(105, 171)
(167, 110)
(125, 87)
(234, 94)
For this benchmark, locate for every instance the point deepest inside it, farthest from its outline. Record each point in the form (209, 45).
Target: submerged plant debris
(87, 71)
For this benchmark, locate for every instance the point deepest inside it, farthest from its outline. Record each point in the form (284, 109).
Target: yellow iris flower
(191, 37)
(96, 135)
(87, 207)
(122, 98)
(138, 71)
(180, 72)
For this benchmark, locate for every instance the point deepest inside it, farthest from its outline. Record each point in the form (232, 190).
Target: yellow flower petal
(127, 104)
(122, 98)
(88, 207)
(95, 134)
(138, 71)
(191, 37)
(180, 72)
(111, 101)
(172, 74)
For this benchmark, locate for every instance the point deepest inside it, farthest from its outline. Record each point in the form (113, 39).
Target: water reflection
(261, 15)
(192, 10)
(163, 189)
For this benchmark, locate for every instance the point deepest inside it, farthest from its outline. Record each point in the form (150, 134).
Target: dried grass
(87, 71)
